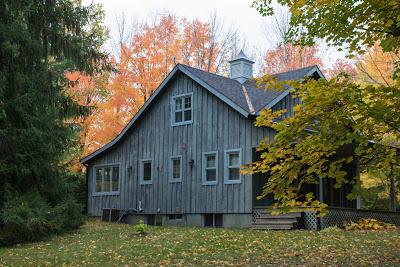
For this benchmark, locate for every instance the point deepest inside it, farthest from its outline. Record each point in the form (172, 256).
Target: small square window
(232, 166)
(146, 172)
(210, 168)
(175, 173)
(181, 107)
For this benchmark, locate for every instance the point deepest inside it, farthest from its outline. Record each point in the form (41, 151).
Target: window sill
(209, 183)
(181, 123)
(232, 181)
(173, 181)
(146, 183)
(99, 194)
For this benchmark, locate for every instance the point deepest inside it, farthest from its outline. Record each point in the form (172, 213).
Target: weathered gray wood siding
(287, 103)
(216, 126)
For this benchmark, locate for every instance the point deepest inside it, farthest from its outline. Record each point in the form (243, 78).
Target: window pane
(107, 179)
(115, 179)
(233, 159)
(187, 115)
(178, 103)
(147, 171)
(188, 102)
(210, 161)
(178, 116)
(211, 175)
(99, 177)
(176, 168)
(234, 174)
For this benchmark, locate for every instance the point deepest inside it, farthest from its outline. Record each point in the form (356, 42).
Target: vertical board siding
(215, 127)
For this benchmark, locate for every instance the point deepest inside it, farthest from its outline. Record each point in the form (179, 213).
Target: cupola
(241, 67)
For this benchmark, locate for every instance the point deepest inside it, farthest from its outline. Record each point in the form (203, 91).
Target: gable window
(176, 169)
(107, 179)
(146, 171)
(232, 163)
(182, 109)
(210, 168)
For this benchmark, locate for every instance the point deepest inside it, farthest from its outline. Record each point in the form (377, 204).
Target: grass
(104, 244)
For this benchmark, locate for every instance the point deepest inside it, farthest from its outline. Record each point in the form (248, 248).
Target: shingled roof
(245, 98)
(259, 98)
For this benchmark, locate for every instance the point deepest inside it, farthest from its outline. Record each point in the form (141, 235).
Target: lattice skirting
(310, 220)
(340, 216)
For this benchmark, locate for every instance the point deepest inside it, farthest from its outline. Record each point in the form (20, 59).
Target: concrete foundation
(228, 221)
(237, 220)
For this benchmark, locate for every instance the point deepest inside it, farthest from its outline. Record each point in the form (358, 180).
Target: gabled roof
(246, 99)
(259, 98)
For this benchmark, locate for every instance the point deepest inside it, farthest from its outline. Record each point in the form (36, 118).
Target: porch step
(263, 220)
(275, 218)
(271, 227)
(272, 222)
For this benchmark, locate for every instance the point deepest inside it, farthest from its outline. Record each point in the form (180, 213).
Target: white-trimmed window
(106, 179)
(146, 171)
(175, 169)
(232, 163)
(182, 109)
(210, 168)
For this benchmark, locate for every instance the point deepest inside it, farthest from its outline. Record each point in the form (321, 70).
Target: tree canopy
(335, 115)
(39, 41)
(355, 24)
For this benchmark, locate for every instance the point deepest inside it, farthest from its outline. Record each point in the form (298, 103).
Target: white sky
(234, 13)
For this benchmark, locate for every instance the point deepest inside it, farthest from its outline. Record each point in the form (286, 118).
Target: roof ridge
(277, 73)
(184, 65)
(209, 73)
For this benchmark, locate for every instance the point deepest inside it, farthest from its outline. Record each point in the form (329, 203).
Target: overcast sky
(235, 13)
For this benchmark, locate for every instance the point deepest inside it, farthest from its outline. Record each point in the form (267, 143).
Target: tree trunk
(393, 202)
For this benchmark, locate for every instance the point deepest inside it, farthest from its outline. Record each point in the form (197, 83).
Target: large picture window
(232, 163)
(146, 171)
(107, 179)
(210, 168)
(182, 109)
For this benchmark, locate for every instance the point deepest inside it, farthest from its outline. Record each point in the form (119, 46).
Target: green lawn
(116, 245)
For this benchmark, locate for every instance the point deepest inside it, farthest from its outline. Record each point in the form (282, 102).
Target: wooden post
(393, 202)
(321, 190)
(357, 177)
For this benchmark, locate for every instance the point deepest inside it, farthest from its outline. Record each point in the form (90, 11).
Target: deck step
(264, 220)
(271, 227)
(276, 219)
(284, 215)
(274, 222)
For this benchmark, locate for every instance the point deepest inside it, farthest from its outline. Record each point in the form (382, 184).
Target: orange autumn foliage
(142, 64)
(287, 57)
(342, 66)
(376, 67)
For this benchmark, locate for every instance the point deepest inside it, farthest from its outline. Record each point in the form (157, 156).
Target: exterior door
(259, 180)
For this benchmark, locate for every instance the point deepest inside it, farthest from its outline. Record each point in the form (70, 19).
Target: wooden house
(178, 159)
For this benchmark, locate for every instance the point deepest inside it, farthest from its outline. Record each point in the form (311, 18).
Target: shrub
(68, 215)
(368, 224)
(25, 217)
(141, 228)
(29, 217)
